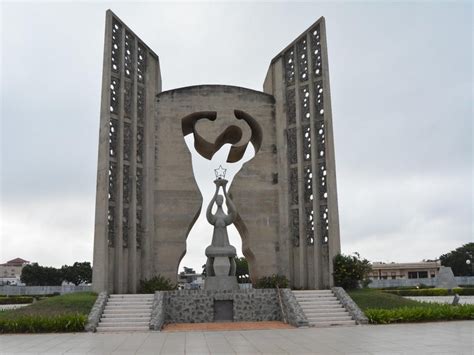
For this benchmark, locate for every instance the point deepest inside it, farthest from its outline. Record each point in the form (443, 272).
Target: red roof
(16, 262)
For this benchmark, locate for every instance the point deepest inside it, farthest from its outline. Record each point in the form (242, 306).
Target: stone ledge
(350, 305)
(96, 312)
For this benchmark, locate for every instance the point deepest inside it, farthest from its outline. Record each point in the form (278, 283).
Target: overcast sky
(402, 94)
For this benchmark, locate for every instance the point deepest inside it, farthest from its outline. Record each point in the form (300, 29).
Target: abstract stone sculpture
(220, 265)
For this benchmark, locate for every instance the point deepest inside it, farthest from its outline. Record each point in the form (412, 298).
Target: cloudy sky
(402, 93)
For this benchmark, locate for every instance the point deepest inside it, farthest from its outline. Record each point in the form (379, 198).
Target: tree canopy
(456, 259)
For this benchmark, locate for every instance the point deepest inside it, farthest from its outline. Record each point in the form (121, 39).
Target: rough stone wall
(158, 311)
(350, 305)
(96, 312)
(294, 313)
(197, 306)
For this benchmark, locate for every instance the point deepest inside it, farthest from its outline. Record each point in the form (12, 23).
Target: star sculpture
(220, 172)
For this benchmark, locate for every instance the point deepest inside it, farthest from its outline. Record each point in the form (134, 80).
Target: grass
(370, 298)
(71, 303)
(383, 308)
(67, 313)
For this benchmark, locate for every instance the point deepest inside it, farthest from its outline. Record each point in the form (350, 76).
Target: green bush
(432, 292)
(272, 282)
(16, 299)
(156, 283)
(351, 271)
(43, 324)
(431, 312)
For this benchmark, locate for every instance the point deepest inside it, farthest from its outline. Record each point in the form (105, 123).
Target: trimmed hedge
(44, 324)
(16, 300)
(431, 312)
(432, 292)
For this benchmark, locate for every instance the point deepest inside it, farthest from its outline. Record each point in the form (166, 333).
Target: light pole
(469, 262)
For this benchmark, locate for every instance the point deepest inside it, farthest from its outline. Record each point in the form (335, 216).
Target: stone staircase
(126, 313)
(322, 308)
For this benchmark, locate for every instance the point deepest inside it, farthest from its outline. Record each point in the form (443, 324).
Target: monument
(147, 200)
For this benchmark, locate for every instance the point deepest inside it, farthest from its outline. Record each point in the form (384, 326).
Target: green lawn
(370, 298)
(66, 305)
(383, 308)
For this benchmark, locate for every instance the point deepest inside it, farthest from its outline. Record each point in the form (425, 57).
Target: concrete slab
(425, 338)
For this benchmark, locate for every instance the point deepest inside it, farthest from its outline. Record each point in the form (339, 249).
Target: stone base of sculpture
(220, 264)
(221, 283)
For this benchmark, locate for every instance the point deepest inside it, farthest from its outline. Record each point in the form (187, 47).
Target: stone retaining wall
(350, 305)
(96, 312)
(293, 311)
(197, 306)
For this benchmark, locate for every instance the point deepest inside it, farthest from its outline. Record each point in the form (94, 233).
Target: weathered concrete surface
(445, 278)
(177, 199)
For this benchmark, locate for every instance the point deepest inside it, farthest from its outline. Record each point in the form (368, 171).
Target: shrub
(156, 283)
(272, 282)
(16, 299)
(432, 292)
(43, 324)
(351, 271)
(431, 312)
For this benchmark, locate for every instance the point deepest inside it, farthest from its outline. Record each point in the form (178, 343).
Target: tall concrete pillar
(298, 78)
(130, 80)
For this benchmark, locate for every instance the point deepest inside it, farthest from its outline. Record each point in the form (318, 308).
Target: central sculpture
(220, 265)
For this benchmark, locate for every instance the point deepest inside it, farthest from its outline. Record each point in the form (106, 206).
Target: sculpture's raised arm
(232, 211)
(210, 217)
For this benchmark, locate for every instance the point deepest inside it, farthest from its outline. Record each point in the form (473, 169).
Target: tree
(36, 275)
(242, 270)
(350, 271)
(77, 273)
(456, 259)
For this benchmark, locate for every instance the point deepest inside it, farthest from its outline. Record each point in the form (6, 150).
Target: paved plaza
(426, 338)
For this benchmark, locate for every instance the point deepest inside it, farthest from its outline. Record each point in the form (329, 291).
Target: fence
(41, 290)
(461, 280)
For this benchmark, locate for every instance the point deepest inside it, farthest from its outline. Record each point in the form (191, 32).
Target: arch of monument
(147, 200)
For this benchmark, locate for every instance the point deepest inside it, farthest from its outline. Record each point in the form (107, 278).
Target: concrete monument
(147, 199)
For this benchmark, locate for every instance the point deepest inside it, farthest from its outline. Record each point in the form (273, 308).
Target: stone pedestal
(221, 283)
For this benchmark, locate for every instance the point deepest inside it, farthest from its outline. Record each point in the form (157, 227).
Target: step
(312, 292)
(328, 324)
(108, 321)
(132, 295)
(316, 301)
(118, 306)
(124, 324)
(129, 303)
(127, 315)
(328, 319)
(126, 311)
(130, 300)
(325, 312)
(310, 297)
(123, 329)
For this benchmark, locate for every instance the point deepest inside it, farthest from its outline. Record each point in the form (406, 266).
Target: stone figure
(220, 265)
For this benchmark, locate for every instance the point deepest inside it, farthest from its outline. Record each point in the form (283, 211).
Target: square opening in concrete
(223, 311)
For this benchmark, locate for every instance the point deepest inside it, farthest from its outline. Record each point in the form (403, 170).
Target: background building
(10, 272)
(395, 271)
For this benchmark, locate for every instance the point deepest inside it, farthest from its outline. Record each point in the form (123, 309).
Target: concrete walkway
(427, 338)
